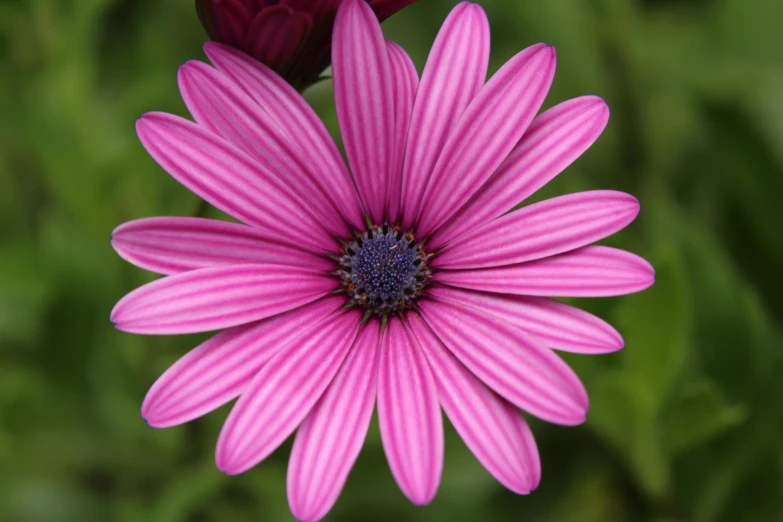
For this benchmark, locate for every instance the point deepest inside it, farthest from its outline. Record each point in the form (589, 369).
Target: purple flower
(443, 301)
(292, 37)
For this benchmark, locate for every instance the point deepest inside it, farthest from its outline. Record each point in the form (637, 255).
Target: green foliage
(685, 423)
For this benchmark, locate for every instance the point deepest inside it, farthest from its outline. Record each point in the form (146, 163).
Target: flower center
(383, 270)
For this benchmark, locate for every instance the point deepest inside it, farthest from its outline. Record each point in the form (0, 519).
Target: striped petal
(297, 119)
(592, 271)
(406, 82)
(283, 393)
(455, 71)
(494, 430)
(331, 437)
(553, 141)
(170, 245)
(225, 21)
(276, 34)
(541, 230)
(229, 179)
(218, 297)
(555, 324)
(486, 133)
(409, 417)
(221, 107)
(218, 370)
(363, 94)
(509, 361)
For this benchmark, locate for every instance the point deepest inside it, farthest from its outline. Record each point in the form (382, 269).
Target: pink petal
(218, 297)
(408, 415)
(283, 393)
(229, 179)
(406, 82)
(298, 121)
(364, 95)
(552, 142)
(221, 107)
(509, 361)
(592, 271)
(555, 324)
(170, 245)
(486, 133)
(541, 230)
(330, 438)
(276, 34)
(495, 431)
(219, 369)
(456, 70)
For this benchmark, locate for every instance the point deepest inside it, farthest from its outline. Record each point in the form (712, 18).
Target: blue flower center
(383, 270)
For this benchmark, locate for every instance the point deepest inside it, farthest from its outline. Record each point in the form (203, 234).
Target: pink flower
(291, 36)
(455, 292)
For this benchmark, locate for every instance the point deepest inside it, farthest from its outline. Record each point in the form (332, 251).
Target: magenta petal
(170, 245)
(406, 82)
(541, 230)
(409, 415)
(331, 437)
(218, 297)
(363, 94)
(553, 141)
(494, 430)
(229, 179)
(555, 324)
(593, 271)
(283, 393)
(297, 120)
(486, 133)
(276, 34)
(221, 107)
(219, 369)
(509, 361)
(456, 70)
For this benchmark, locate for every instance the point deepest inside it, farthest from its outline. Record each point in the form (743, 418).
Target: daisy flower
(292, 37)
(403, 282)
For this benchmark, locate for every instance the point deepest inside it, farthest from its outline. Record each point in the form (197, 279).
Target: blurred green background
(686, 423)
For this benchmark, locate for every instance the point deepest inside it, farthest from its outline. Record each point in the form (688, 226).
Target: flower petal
(331, 437)
(486, 133)
(554, 140)
(225, 21)
(221, 107)
(218, 297)
(283, 393)
(276, 34)
(456, 70)
(406, 82)
(219, 369)
(409, 417)
(593, 271)
(297, 119)
(229, 179)
(555, 324)
(509, 361)
(541, 230)
(170, 245)
(494, 430)
(364, 97)
(385, 8)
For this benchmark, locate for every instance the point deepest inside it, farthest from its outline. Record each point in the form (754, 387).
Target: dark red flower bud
(293, 37)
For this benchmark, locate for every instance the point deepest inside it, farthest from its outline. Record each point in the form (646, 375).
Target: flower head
(292, 37)
(443, 301)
